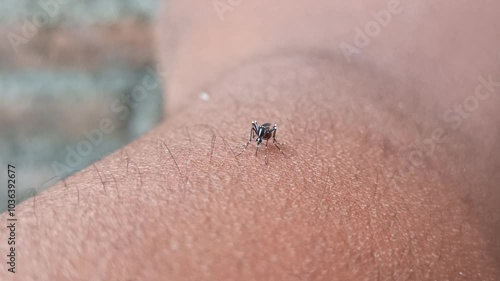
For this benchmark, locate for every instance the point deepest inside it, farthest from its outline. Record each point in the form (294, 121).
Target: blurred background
(78, 80)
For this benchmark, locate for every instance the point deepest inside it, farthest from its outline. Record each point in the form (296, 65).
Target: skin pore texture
(349, 200)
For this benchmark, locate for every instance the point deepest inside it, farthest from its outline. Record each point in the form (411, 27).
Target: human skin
(343, 203)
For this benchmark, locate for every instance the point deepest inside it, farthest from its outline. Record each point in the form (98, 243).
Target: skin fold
(375, 184)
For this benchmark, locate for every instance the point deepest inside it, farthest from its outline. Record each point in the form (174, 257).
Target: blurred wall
(66, 68)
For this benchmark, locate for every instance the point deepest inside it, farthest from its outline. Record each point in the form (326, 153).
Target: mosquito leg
(252, 132)
(274, 135)
(267, 152)
(275, 142)
(279, 148)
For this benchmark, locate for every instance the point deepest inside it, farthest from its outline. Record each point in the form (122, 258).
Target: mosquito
(263, 132)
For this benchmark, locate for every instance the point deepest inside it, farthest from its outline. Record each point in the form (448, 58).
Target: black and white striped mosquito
(262, 133)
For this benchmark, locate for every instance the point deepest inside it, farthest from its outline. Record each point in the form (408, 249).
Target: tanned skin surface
(350, 200)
